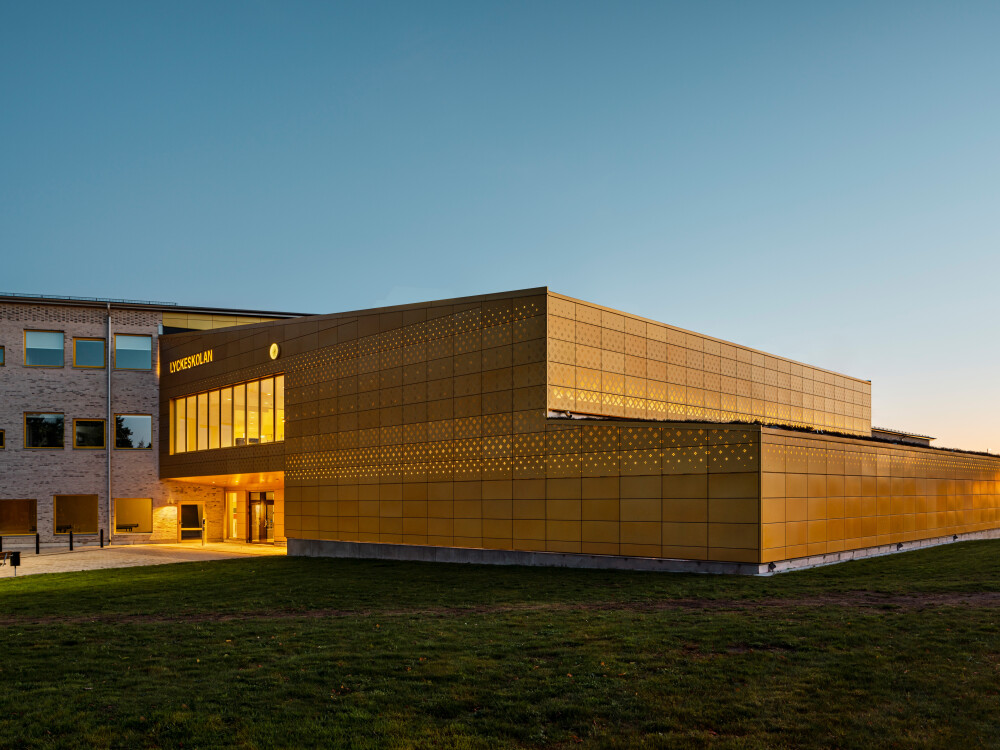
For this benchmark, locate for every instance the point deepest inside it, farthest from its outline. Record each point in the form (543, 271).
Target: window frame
(3, 441)
(134, 414)
(135, 369)
(38, 330)
(55, 516)
(101, 366)
(44, 447)
(178, 412)
(118, 499)
(30, 532)
(104, 443)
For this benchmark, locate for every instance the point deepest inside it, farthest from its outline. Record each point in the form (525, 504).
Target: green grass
(902, 651)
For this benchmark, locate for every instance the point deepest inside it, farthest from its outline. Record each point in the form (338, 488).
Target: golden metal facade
(427, 425)
(823, 494)
(610, 363)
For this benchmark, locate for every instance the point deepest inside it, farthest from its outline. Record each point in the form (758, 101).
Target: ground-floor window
(134, 515)
(76, 513)
(18, 517)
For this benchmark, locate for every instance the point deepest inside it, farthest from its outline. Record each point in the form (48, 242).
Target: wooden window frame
(39, 330)
(90, 367)
(134, 414)
(152, 364)
(44, 447)
(103, 445)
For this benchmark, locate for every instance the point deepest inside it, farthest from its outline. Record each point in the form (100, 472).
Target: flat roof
(55, 299)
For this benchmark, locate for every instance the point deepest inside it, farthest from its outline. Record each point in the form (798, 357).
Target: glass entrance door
(190, 526)
(260, 524)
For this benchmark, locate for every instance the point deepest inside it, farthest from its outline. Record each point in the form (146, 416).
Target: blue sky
(817, 180)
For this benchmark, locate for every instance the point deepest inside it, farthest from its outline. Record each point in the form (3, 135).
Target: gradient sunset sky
(817, 180)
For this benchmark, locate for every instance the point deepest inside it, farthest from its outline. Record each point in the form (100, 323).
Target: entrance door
(261, 520)
(190, 526)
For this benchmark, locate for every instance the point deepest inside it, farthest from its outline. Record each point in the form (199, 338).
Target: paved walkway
(132, 555)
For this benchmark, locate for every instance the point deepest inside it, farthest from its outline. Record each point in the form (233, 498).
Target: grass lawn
(902, 651)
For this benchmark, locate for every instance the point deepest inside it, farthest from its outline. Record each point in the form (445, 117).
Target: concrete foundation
(474, 556)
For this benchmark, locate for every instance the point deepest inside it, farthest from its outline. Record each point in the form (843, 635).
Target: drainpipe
(109, 438)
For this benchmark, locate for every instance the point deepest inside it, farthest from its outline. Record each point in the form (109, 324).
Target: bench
(126, 527)
(5, 558)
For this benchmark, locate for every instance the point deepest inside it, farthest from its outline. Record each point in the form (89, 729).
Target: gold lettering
(186, 363)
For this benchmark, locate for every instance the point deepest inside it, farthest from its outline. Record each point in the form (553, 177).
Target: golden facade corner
(534, 422)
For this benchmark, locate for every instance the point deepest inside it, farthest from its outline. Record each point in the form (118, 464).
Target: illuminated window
(133, 352)
(88, 353)
(133, 431)
(240, 414)
(226, 438)
(192, 422)
(18, 517)
(43, 430)
(253, 412)
(179, 425)
(279, 408)
(267, 410)
(133, 515)
(76, 513)
(43, 348)
(202, 421)
(213, 419)
(88, 433)
(243, 414)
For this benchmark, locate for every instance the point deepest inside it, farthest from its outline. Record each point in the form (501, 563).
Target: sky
(817, 180)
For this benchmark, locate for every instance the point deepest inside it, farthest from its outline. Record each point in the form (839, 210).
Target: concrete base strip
(478, 556)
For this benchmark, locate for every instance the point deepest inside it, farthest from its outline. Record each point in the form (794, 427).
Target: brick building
(66, 446)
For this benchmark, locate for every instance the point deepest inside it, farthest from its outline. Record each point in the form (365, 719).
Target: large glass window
(76, 513)
(243, 414)
(88, 433)
(240, 414)
(226, 437)
(88, 353)
(192, 422)
(133, 515)
(202, 421)
(133, 352)
(267, 410)
(279, 408)
(134, 431)
(178, 435)
(253, 412)
(18, 517)
(43, 430)
(213, 419)
(43, 348)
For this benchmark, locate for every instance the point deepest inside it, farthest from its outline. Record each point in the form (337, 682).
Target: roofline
(132, 304)
(901, 433)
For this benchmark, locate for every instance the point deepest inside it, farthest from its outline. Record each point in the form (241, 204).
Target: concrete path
(132, 555)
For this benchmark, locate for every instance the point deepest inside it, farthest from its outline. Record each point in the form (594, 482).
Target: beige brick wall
(82, 393)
